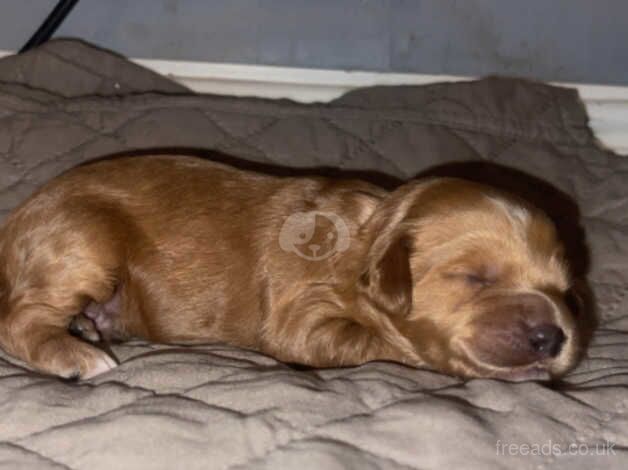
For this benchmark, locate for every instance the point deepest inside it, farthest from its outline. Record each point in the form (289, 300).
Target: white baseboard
(607, 106)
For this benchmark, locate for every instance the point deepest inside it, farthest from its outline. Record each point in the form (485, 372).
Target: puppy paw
(85, 328)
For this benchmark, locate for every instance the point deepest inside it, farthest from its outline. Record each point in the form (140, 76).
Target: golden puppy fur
(440, 273)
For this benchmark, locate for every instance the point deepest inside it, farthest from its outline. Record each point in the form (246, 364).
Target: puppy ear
(388, 279)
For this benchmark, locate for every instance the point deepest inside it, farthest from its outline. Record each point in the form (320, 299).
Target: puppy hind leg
(48, 347)
(46, 290)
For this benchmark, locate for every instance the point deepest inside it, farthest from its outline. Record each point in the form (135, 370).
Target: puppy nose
(546, 340)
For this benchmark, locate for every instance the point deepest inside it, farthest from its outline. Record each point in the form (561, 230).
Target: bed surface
(214, 406)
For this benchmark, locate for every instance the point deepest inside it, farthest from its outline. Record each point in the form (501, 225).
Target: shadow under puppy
(440, 273)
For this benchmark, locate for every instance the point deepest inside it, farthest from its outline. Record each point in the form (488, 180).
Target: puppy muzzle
(522, 335)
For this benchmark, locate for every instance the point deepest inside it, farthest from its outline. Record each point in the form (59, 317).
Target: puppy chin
(541, 371)
(521, 374)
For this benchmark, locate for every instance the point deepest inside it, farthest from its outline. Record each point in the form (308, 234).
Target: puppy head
(475, 280)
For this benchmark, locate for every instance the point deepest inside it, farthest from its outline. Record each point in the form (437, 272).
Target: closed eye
(471, 279)
(474, 279)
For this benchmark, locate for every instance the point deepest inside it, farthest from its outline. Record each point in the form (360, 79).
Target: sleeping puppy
(440, 273)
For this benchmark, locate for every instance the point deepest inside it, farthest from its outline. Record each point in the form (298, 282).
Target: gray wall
(574, 40)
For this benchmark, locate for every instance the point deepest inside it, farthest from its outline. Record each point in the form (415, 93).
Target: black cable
(50, 24)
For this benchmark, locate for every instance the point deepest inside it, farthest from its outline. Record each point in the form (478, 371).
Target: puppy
(441, 273)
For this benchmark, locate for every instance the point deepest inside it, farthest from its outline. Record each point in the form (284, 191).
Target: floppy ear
(388, 279)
